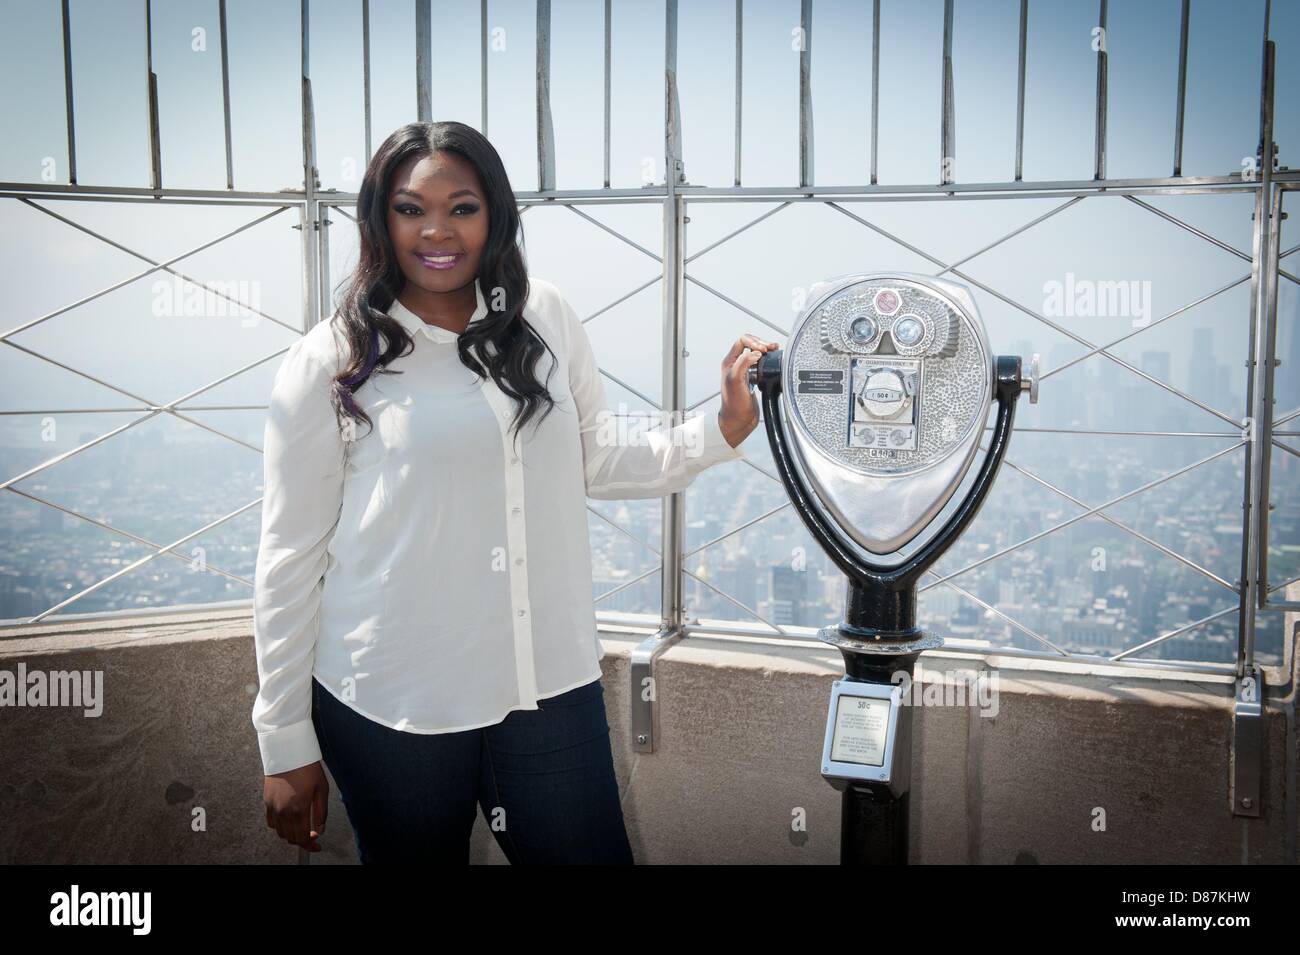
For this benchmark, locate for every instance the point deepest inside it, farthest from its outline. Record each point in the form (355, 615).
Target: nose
(437, 228)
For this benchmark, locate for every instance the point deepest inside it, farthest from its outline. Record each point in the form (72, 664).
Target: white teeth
(440, 259)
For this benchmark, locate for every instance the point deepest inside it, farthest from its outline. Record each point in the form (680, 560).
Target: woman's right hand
(296, 804)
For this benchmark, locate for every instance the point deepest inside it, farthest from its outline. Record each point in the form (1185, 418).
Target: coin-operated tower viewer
(874, 412)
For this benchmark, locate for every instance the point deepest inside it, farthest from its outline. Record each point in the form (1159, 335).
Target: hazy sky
(119, 337)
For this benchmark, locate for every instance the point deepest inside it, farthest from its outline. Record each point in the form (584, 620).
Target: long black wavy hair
(362, 308)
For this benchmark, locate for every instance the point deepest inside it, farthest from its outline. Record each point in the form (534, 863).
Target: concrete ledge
(740, 724)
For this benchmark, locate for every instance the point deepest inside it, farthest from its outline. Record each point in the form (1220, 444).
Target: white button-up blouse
(429, 573)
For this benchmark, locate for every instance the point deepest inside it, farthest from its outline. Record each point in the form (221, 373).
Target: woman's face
(436, 210)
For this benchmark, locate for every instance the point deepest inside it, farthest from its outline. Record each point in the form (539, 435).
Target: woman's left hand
(739, 414)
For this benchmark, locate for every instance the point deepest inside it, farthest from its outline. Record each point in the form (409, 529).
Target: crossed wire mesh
(1093, 349)
(151, 409)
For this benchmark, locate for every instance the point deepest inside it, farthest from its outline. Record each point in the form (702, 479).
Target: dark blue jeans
(544, 779)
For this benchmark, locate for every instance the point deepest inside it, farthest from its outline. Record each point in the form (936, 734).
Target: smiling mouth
(447, 261)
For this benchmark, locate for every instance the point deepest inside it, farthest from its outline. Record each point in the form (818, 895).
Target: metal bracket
(642, 697)
(1247, 743)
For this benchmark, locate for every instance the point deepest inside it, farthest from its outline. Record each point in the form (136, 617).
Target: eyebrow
(408, 192)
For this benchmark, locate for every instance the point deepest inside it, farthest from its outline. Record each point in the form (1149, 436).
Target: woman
(423, 613)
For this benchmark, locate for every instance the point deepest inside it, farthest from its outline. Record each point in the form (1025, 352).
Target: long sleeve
(650, 464)
(303, 455)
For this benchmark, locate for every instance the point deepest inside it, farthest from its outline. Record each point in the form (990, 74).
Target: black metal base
(879, 631)
(873, 827)
(876, 659)
(874, 816)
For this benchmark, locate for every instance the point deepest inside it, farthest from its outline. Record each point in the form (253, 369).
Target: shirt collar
(415, 325)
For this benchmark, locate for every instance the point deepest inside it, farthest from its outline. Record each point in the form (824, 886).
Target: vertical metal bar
(1246, 590)
(675, 171)
(308, 271)
(365, 73)
(1262, 334)
(947, 141)
(1262, 410)
(423, 64)
(151, 89)
(1265, 422)
(1246, 741)
(323, 258)
(67, 96)
(674, 525)
(1020, 90)
(545, 129)
(740, 51)
(1182, 87)
(309, 214)
(609, 63)
(1099, 132)
(875, 88)
(310, 175)
(805, 94)
(225, 93)
(483, 63)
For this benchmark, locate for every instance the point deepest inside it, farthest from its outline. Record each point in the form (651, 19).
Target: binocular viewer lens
(886, 383)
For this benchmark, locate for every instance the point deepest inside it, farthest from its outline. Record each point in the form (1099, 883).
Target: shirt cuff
(714, 444)
(289, 747)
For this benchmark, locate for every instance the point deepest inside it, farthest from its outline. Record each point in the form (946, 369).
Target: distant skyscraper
(789, 588)
(1202, 378)
(1165, 417)
(739, 578)
(1156, 364)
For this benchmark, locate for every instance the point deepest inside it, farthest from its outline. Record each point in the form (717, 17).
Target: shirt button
(519, 560)
(514, 510)
(522, 612)
(514, 459)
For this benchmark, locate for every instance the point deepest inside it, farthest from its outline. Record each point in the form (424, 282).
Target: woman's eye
(465, 208)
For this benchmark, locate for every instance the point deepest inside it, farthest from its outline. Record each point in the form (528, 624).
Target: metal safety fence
(315, 211)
